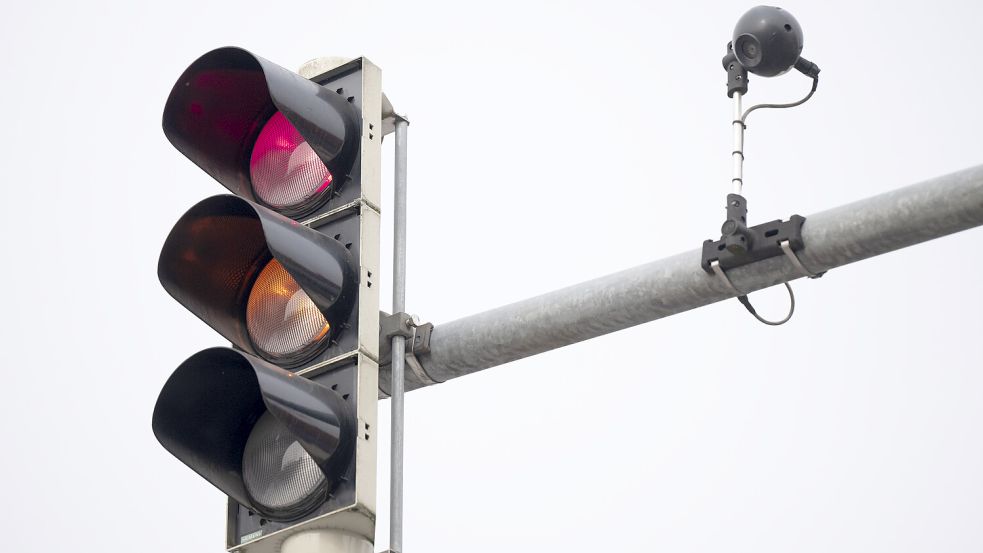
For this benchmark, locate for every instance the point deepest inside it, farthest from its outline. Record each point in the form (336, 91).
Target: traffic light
(284, 421)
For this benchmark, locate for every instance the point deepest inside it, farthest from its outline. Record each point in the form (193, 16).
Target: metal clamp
(417, 336)
(715, 267)
(790, 253)
(786, 247)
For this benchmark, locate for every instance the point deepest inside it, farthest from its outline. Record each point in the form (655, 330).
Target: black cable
(811, 70)
(791, 296)
(815, 84)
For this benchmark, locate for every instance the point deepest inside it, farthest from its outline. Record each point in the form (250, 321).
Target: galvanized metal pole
(399, 344)
(833, 238)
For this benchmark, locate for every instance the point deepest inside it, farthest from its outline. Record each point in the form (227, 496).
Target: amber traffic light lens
(284, 325)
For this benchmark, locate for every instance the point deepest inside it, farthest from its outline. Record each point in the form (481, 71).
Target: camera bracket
(741, 245)
(736, 73)
(767, 41)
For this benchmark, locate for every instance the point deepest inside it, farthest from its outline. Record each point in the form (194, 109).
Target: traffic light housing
(266, 133)
(274, 288)
(223, 412)
(284, 421)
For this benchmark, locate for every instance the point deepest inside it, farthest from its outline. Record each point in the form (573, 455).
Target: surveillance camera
(767, 41)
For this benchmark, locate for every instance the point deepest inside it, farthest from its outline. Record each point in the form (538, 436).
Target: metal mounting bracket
(417, 336)
(740, 245)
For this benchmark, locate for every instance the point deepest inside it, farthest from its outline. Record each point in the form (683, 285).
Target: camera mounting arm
(736, 89)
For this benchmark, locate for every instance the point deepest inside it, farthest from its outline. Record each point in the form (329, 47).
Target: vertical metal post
(399, 344)
(738, 154)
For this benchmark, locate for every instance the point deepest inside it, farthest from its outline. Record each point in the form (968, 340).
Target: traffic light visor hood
(264, 132)
(271, 286)
(216, 414)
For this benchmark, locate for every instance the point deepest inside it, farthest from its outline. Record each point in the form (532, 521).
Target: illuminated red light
(286, 173)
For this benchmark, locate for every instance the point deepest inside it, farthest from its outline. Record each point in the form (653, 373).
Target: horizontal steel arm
(833, 238)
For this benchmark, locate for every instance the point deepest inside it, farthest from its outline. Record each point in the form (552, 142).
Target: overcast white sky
(551, 142)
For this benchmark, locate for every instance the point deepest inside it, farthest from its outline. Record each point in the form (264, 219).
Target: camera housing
(767, 41)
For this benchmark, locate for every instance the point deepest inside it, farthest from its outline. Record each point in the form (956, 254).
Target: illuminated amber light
(281, 319)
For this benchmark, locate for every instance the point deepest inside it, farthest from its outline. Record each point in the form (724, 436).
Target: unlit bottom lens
(280, 476)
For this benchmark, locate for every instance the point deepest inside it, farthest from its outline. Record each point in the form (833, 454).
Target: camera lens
(750, 49)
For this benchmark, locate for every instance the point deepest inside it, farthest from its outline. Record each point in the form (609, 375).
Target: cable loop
(741, 297)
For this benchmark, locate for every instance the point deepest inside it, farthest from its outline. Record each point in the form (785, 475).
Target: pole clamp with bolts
(417, 336)
(741, 245)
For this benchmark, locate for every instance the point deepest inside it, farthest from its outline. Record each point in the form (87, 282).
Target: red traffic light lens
(266, 134)
(286, 173)
(284, 325)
